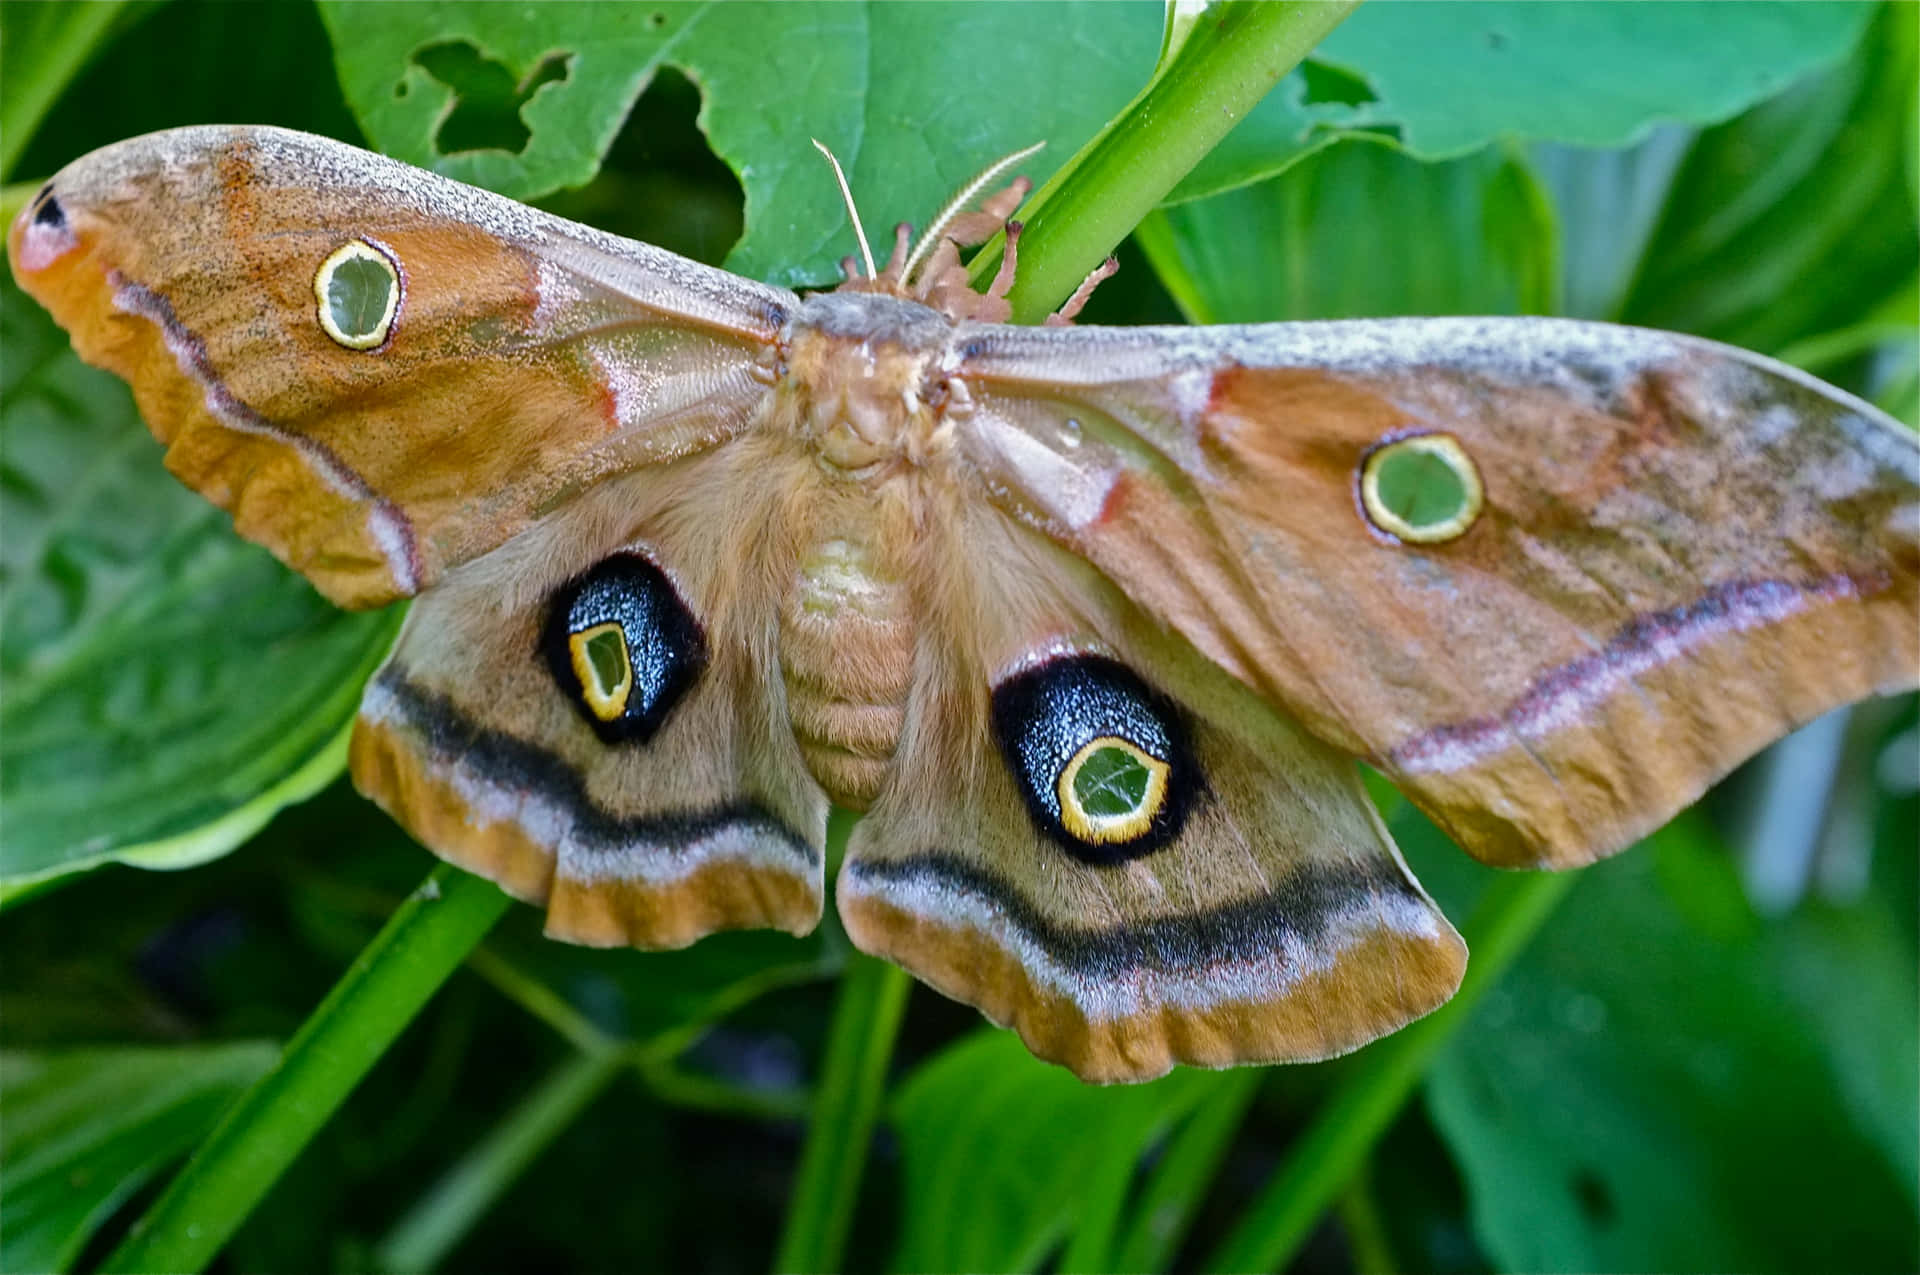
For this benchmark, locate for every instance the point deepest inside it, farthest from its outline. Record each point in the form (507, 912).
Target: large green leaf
(1452, 77)
(1793, 219)
(1361, 229)
(85, 1128)
(1004, 1154)
(1658, 1085)
(1448, 79)
(166, 688)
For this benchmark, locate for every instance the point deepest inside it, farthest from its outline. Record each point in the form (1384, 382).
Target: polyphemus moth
(1090, 622)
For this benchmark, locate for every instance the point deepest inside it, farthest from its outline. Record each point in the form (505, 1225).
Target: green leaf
(86, 1128)
(1004, 1155)
(893, 89)
(167, 688)
(1449, 78)
(1472, 236)
(1789, 221)
(1639, 1094)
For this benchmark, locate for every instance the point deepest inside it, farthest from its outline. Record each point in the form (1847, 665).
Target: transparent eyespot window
(1423, 490)
(1111, 790)
(605, 669)
(358, 292)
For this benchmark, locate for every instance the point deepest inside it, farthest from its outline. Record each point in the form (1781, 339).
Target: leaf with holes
(527, 100)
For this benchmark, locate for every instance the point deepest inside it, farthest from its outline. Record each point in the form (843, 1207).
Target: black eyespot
(1101, 759)
(49, 212)
(623, 646)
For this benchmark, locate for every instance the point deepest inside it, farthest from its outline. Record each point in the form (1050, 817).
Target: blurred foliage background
(1704, 1059)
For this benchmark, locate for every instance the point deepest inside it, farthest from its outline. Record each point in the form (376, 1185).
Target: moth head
(623, 646)
(1101, 759)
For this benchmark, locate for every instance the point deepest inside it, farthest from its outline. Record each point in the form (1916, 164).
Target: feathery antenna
(958, 204)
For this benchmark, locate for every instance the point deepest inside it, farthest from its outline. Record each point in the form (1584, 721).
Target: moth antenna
(859, 231)
(958, 204)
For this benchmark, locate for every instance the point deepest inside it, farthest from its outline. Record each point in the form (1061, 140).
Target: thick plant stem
(405, 964)
(873, 996)
(1230, 59)
(1327, 1155)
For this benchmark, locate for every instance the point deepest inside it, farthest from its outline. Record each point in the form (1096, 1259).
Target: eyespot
(1101, 759)
(623, 646)
(358, 292)
(1423, 489)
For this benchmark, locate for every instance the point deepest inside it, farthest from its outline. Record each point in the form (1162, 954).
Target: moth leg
(1064, 316)
(893, 272)
(1009, 262)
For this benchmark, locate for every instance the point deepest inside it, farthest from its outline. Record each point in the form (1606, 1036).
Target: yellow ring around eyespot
(1454, 457)
(355, 250)
(1101, 830)
(604, 702)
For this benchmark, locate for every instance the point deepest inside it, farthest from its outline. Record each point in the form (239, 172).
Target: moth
(1091, 623)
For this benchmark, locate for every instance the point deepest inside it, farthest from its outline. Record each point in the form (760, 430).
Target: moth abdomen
(847, 639)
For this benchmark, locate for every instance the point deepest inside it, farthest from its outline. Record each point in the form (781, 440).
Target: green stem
(417, 950)
(1326, 1157)
(873, 996)
(1366, 1226)
(444, 1216)
(1228, 62)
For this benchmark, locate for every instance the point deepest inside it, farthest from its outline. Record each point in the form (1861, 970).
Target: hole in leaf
(487, 99)
(1326, 83)
(661, 181)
